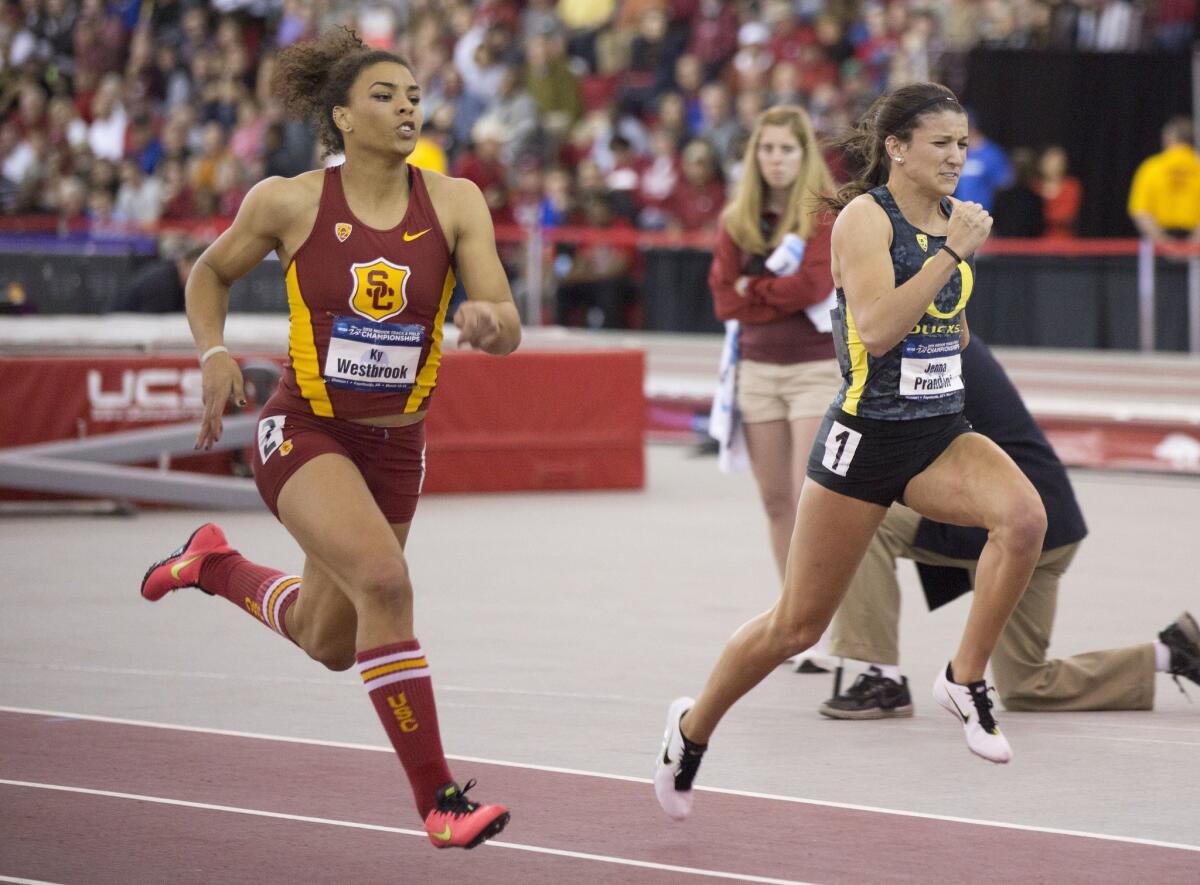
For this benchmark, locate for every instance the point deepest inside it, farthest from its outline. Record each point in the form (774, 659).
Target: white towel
(819, 312)
(724, 420)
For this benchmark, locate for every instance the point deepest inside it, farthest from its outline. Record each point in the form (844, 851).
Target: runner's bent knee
(382, 582)
(1023, 524)
(791, 635)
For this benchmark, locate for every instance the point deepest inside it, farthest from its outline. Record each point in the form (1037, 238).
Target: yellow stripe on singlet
(858, 366)
(302, 348)
(427, 377)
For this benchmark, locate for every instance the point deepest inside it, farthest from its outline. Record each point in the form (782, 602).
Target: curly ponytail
(314, 77)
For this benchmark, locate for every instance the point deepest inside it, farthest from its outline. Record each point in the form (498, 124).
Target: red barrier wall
(532, 420)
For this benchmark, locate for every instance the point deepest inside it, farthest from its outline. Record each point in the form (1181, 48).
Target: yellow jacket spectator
(428, 154)
(584, 15)
(1164, 200)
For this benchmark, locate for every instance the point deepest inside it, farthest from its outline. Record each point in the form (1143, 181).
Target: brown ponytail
(896, 113)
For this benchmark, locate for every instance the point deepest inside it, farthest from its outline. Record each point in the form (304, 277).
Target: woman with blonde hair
(902, 255)
(771, 283)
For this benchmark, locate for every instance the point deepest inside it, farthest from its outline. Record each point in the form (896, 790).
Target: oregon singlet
(367, 308)
(922, 375)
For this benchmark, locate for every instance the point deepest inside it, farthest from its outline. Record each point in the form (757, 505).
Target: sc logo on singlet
(380, 289)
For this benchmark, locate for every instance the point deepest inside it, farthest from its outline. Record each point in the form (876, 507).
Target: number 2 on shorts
(840, 446)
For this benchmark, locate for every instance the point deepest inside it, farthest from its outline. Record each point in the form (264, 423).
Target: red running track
(202, 807)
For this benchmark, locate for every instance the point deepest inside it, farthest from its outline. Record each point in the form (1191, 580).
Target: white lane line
(25, 881)
(355, 825)
(749, 794)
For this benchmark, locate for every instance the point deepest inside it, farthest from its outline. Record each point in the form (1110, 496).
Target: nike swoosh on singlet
(180, 566)
(408, 238)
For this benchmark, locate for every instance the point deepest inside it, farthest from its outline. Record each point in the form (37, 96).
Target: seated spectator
(714, 35)
(718, 126)
(1018, 208)
(596, 288)
(514, 113)
(179, 200)
(71, 204)
(622, 180)
(106, 134)
(657, 180)
(689, 79)
(753, 60)
(139, 197)
(142, 145)
(158, 286)
(100, 220)
(205, 169)
(1061, 193)
(246, 139)
(482, 164)
(558, 201)
(551, 83)
(699, 194)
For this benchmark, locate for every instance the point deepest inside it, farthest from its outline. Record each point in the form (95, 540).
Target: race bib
(930, 369)
(270, 437)
(373, 356)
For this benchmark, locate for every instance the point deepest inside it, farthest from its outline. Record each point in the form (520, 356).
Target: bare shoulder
(289, 194)
(446, 190)
(459, 205)
(862, 215)
(275, 202)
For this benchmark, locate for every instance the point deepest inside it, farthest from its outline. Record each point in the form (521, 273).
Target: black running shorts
(873, 460)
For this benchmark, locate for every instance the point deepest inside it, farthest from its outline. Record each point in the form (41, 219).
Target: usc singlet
(367, 308)
(922, 375)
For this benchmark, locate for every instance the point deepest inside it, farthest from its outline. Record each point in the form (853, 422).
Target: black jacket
(996, 410)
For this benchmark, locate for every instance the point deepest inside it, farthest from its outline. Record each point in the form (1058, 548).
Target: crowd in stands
(608, 113)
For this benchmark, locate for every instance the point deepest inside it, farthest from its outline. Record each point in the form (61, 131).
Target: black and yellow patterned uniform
(896, 413)
(922, 375)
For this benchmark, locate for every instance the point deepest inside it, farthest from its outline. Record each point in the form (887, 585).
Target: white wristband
(220, 348)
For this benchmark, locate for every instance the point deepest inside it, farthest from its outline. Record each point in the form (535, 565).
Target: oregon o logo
(968, 285)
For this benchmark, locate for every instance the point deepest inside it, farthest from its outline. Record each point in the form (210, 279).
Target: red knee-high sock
(263, 592)
(397, 679)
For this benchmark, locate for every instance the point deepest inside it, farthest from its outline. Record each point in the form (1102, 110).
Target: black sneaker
(872, 696)
(1183, 639)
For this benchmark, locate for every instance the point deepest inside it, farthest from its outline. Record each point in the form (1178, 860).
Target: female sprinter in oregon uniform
(894, 432)
(371, 249)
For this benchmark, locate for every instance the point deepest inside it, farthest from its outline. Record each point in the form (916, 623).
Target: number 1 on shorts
(840, 446)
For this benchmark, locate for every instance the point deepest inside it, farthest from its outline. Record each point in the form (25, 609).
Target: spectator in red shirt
(596, 288)
(1061, 193)
(714, 27)
(697, 196)
(482, 165)
(770, 266)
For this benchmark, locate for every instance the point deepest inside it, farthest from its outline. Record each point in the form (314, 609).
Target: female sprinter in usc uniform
(370, 249)
(894, 432)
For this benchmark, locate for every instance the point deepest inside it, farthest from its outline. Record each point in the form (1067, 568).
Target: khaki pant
(866, 628)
